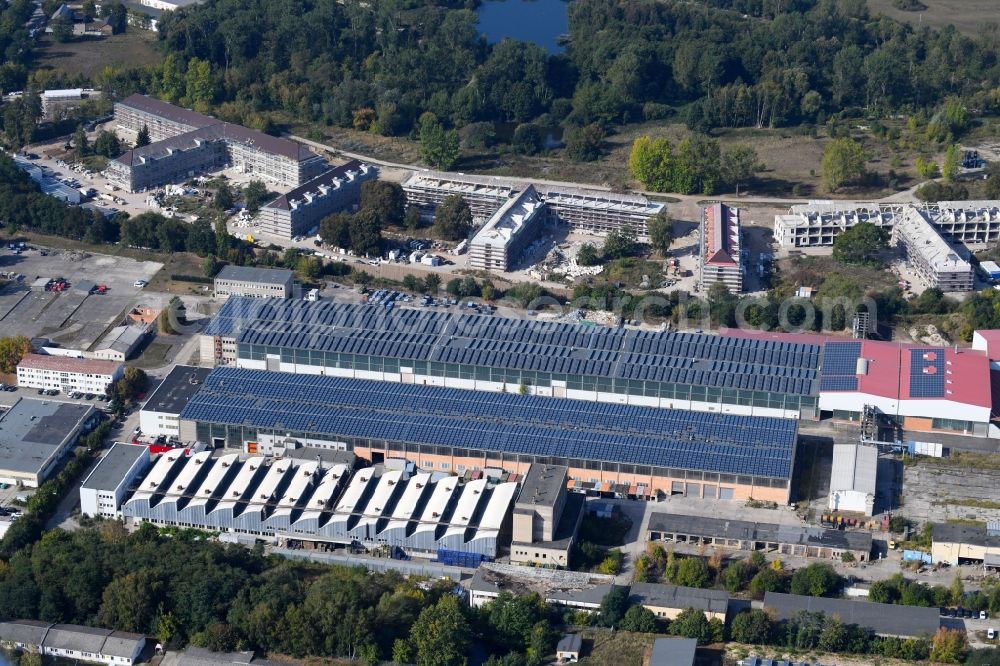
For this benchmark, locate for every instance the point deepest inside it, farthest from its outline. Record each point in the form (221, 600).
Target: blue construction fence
(458, 558)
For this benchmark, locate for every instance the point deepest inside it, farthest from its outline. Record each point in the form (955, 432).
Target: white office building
(66, 374)
(103, 491)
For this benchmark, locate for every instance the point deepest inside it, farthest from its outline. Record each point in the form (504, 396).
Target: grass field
(88, 56)
(966, 15)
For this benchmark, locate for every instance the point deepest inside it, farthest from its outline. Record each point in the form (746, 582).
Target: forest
(726, 63)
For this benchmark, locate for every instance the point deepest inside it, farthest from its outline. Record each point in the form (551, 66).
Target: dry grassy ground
(966, 15)
(88, 56)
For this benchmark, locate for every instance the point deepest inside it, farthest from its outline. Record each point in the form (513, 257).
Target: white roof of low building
(854, 468)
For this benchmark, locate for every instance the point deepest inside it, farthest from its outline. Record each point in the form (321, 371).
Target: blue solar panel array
(516, 344)
(505, 423)
(929, 384)
(838, 371)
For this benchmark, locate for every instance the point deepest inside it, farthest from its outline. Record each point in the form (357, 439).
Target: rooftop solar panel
(927, 373)
(506, 423)
(515, 344)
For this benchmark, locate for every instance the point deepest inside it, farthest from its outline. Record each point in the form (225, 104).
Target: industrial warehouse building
(695, 371)
(288, 499)
(668, 601)
(300, 210)
(253, 282)
(720, 256)
(746, 535)
(852, 482)
(186, 144)
(66, 373)
(546, 518)
(36, 435)
(103, 490)
(72, 641)
(711, 456)
(879, 619)
(160, 414)
(966, 544)
(596, 211)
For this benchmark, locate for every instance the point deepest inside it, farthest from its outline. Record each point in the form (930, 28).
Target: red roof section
(992, 339)
(69, 364)
(718, 231)
(967, 373)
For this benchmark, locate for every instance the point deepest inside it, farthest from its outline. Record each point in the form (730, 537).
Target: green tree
(861, 244)
(740, 165)
(661, 231)
(620, 243)
(30, 658)
(692, 623)
(366, 233)
(588, 255)
(12, 350)
(527, 139)
(438, 147)
(142, 138)
(766, 580)
(833, 637)
(641, 619)
(651, 163)
(88, 9)
(736, 576)
(387, 199)
(432, 283)
(949, 646)
(107, 144)
(957, 590)
(692, 572)
(62, 29)
(412, 219)
(614, 606)
(843, 164)
(441, 634)
(130, 602)
(255, 194)
(453, 218)
(583, 144)
(697, 165)
(816, 580)
(512, 618)
(198, 86)
(952, 160)
(403, 652)
(80, 143)
(223, 199)
(753, 627)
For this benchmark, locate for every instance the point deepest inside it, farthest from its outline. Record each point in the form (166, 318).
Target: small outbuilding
(568, 648)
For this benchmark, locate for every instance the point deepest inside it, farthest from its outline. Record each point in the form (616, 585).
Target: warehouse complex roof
(777, 366)
(673, 596)
(505, 423)
(256, 275)
(113, 467)
(34, 432)
(176, 389)
(966, 534)
(882, 619)
(766, 532)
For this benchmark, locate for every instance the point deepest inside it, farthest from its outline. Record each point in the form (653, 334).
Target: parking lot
(71, 318)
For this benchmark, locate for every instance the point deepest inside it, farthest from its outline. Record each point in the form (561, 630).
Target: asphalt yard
(72, 318)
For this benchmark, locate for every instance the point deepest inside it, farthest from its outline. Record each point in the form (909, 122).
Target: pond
(540, 22)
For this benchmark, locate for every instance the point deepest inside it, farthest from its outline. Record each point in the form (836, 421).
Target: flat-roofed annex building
(296, 212)
(700, 372)
(746, 535)
(36, 435)
(966, 544)
(160, 414)
(66, 374)
(72, 641)
(668, 601)
(712, 456)
(879, 619)
(103, 490)
(249, 281)
(546, 518)
(186, 144)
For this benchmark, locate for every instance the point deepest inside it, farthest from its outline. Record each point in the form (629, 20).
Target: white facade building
(160, 415)
(67, 374)
(103, 491)
(852, 481)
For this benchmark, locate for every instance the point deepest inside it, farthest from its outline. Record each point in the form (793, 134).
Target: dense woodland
(726, 63)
